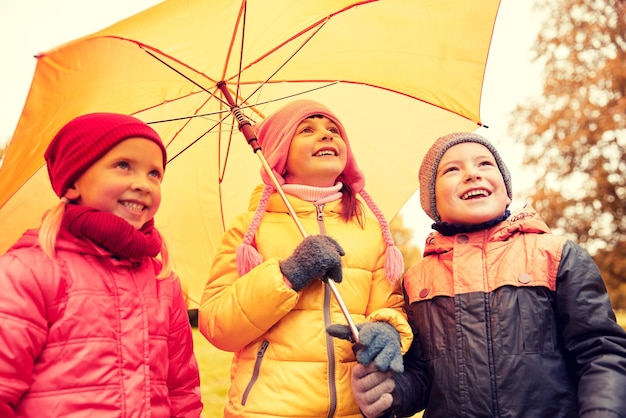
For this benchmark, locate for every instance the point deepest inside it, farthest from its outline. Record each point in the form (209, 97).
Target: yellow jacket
(285, 364)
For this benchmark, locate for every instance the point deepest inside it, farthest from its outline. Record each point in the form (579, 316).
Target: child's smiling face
(469, 187)
(317, 154)
(126, 181)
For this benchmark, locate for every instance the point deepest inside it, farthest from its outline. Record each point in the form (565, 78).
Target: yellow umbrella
(399, 73)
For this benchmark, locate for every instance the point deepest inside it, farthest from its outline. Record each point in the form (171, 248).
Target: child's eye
(123, 165)
(486, 162)
(334, 130)
(156, 173)
(449, 169)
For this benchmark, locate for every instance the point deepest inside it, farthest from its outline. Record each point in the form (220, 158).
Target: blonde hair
(51, 224)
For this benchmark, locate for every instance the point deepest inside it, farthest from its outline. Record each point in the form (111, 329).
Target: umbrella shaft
(344, 309)
(246, 129)
(292, 212)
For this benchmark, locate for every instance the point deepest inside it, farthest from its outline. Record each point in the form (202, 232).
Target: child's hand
(378, 342)
(316, 257)
(372, 390)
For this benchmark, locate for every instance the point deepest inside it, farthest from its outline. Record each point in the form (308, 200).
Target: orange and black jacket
(511, 321)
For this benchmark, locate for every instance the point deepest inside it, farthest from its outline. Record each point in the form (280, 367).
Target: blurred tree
(575, 133)
(402, 236)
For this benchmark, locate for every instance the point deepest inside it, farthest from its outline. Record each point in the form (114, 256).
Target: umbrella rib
(267, 80)
(198, 138)
(317, 24)
(243, 36)
(299, 93)
(181, 74)
(261, 84)
(306, 41)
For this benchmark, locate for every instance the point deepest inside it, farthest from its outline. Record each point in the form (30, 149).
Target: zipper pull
(320, 212)
(262, 349)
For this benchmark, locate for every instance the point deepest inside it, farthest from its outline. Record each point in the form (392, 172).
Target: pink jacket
(92, 336)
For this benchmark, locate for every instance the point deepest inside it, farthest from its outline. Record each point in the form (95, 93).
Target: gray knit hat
(430, 163)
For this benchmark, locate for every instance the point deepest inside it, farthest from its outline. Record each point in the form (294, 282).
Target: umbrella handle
(246, 129)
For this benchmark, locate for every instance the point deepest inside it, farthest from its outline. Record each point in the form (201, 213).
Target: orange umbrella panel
(399, 74)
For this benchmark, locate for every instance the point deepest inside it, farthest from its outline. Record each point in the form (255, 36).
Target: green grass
(214, 372)
(214, 375)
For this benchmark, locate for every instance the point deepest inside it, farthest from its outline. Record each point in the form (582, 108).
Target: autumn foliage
(575, 132)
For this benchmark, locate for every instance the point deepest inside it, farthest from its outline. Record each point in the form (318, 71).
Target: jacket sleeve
(24, 326)
(595, 343)
(412, 387)
(386, 305)
(183, 379)
(235, 310)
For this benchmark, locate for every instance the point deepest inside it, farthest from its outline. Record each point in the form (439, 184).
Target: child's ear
(72, 193)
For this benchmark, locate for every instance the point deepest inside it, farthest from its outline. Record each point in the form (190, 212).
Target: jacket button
(462, 238)
(524, 278)
(423, 293)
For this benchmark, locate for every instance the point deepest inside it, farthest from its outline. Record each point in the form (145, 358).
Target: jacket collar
(524, 220)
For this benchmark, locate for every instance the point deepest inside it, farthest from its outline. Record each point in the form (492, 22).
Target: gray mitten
(378, 342)
(316, 257)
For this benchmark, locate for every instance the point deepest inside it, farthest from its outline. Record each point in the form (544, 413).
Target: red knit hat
(85, 139)
(275, 134)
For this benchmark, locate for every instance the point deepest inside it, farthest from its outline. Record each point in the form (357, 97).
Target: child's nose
(472, 173)
(326, 134)
(141, 184)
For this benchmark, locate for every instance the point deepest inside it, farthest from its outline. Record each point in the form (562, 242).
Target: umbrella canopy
(398, 73)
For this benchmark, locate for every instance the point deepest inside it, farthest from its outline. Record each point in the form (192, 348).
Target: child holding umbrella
(265, 299)
(509, 319)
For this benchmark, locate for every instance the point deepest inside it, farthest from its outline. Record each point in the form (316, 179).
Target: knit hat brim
(430, 164)
(276, 132)
(85, 139)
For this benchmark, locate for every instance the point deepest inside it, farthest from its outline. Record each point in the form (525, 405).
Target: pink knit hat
(275, 134)
(85, 139)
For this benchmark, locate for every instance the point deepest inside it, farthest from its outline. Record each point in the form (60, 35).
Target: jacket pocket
(255, 372)
(526, 319)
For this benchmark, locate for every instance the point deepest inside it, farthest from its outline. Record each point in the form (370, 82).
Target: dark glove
(316, 257)
(378, 342)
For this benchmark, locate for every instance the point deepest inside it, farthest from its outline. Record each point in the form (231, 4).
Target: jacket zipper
(490, 355)
(330, 344)
(255, 372)
(330, 349)
(320, 218)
